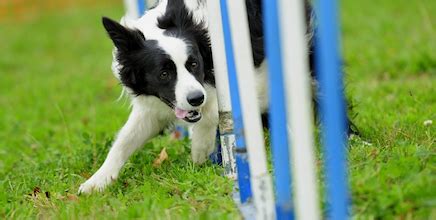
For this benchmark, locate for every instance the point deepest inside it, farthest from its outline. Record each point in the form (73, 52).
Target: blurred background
(55, 70)
(59, 113)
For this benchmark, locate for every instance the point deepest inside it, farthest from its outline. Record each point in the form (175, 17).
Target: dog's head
(170, 66)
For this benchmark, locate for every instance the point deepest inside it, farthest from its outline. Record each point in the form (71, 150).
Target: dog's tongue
(180, 113)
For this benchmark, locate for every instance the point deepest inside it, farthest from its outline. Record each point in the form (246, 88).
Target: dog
(164, 62)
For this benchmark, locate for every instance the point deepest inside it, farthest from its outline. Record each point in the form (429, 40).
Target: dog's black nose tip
(195, 98)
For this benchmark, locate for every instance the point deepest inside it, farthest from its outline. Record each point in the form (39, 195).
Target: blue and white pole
(278, 122)
(243, 172)
(332, 106)
(286, 47)
(226, 134)
(261, 183)
(299, 106)
(135, 8)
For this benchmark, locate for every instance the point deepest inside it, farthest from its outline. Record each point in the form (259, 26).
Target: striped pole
(227, 136)
(299, 106)
(243, 172)
(260, 179)
(278, 124)
(134, 8)
(332, 108)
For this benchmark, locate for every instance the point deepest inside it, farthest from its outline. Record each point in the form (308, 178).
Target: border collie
(164, 63)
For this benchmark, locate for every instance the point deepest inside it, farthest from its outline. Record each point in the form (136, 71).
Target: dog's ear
(124, 39)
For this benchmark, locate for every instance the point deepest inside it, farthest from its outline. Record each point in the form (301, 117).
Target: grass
(59, 114)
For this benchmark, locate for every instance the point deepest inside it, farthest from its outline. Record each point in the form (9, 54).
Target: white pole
(299, 110)
(222, 86)
(132, 12)
(260, 178)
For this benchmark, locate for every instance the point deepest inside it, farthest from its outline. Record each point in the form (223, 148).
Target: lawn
(59, 113)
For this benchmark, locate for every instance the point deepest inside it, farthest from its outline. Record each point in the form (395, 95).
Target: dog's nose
(195, 98)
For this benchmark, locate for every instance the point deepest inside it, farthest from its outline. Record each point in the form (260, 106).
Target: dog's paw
(97, 183)
(199, 156)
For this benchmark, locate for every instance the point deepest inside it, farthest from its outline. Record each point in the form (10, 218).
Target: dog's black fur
(137, 56)
(179, 22)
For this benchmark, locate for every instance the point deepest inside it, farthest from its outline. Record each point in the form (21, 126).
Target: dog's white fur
(150, 115)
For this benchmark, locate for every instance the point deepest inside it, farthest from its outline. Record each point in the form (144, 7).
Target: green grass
(59, 114)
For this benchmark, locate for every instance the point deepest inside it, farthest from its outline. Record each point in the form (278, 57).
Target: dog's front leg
(142, 125)
(204, 132)
(203, 141)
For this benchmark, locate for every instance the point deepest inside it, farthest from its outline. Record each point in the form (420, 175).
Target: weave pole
(243, 171)
(227, 135)
(285, 28)
(278, 123)
(299, 106)
(134, 8)
(142, 6)
(261, 183)
(332, 108)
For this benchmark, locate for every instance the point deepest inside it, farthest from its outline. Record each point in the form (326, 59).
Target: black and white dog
(164, 62)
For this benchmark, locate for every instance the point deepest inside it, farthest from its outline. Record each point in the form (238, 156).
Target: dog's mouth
(190, 116)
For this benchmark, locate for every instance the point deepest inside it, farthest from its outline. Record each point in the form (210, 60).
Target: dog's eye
(164, 75)
(194, 64)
